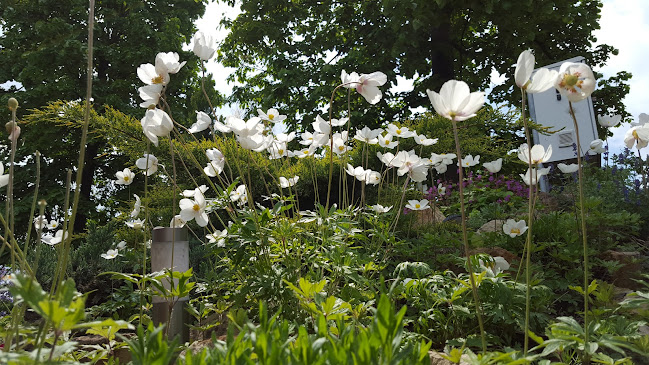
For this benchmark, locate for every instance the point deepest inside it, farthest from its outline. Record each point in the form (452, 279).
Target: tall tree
(290, 53)
(43, 48)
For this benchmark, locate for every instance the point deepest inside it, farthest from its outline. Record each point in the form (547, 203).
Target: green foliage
(150, 347)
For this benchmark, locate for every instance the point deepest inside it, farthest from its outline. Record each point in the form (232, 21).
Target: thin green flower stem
(41, 211)
(84, 138)
(173, 231)
(465, 239)
(61, 265)
(331, 141)
(209, 102)
(9, 206)
(400, 207)
(33, 209)
(530, 219)
(12, 244)
(146, 220)
(586, 358)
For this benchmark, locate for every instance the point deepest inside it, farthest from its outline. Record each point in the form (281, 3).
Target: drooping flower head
(543, 78)
(638, 136)
(366, 84)
(149, 163)
(204, 46)
(156, 123)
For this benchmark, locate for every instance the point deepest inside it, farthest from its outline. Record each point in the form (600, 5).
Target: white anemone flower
(272, 115)
(124, 177)
(121, 245)
(417, 204)
(149, 75)
(493, 166)
(542, 80)
(366, 84)
(422, 140)
(538, 153)
(495, 267)
(149, 163)
(608, 121)
(217, 237)
(638, 136)
(378, 208)
(177, 222)
(575, 80)
(470, 161)
(194, 209)
(441, 189)
(305, 152)
(191, 192)
(135, 224)
(150, 95)
(136, 207)
(367, 135)
(53, 224)
(387, 158)
(287, 183)
(239, 194)
(168, 62)
(357, 172)
(596, 147)
(203, 121)
(204, 46)
(110, 254)
(455, 101)
(535, 176)
(401, 132)
(568, 169)
(156, 123)
(372, 177)
(443, 158)
(40, 222)
(386, 141)
(58, 238)
(514, 228)
(321, 126)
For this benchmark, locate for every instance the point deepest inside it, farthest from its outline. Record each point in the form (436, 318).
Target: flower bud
(10, 126)
(13, 104)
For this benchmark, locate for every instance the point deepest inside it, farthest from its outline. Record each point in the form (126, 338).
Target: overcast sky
(624, 25)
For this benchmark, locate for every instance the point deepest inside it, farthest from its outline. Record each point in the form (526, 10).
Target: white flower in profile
(643, 119)
(216, 164)
(321, 126)
(638, 136)
(493, 166)
(387, 158)
(168, 62)
(239, 194)
(221, 127)
(514, 228)
(4, 178)
(40, 222)
(568, 169)
(386, 141)
(135, 224)
(124, 177)
(287, 183)
(156, 123)
(470, 161)
(366, 84)
(357, 172)
(543, 78)
(455, 101)
(58, 238)
(401, 132)
(575, 80)
(149, 163)
(378, 208)
(272, 115)
(110, 254)
(204, 46)
(305, 152)
(217, 237)
(596, 147)
(339, 122)
(367, 135)
(495, 267)
(422, 140)
(441, 168)
(121, 245)
(150, 94)
(417, 204)
(535, 176)
(177, 222)
(203, 121)
(53, 224)
(442, 158)
(372, 177)
(190, 193)
(136, 207)
(194, 209)
(538, 153)
(608, 121)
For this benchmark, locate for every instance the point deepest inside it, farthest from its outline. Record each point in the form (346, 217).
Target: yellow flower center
(157, 80)
(306, 152)
(340, 148)
(398, 131)
(196, 208)
(281, 152)
(387, 142)
(417, 206)
(635, 134)
(516, 231)
(126, 178)
(271, 116)
(570, 80)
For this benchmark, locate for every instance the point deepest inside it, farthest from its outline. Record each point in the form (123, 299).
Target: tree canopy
(290, 54)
